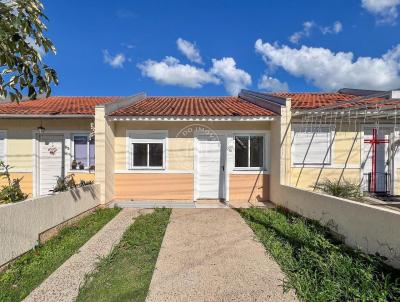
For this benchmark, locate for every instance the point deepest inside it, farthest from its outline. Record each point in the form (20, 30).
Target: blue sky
(218, 47)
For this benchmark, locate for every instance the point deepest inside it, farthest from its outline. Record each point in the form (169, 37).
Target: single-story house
(192, 148)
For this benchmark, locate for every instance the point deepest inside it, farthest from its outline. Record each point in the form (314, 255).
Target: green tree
(22, 44)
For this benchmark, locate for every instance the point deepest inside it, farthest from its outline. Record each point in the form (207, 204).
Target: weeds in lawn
(27, 272)
(126, 273)
(317, 266)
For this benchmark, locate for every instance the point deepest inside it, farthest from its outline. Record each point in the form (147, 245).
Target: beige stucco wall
(105, 150)
(180, 144)
(20, 135)
(86, 176)
(306, 177)
(20, 144)
(26, 182)
(345, 161)
(347, 148)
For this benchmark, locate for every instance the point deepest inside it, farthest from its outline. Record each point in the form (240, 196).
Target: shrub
(64, 183)
(68, 182)
(11, 192)
(83, 183)
(345, 188)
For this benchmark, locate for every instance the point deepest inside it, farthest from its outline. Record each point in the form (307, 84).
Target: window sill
(81, 171)
(253, 172)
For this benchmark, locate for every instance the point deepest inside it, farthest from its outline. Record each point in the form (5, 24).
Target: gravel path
(63, 284)
(211, 255)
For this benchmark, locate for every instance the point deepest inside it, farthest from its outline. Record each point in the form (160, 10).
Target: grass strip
(125, 274)
(31, 269)
(317, 266)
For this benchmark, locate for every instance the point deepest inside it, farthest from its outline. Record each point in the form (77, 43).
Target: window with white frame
(147, 151)
(311, 145)
(83, 156)
(249, 151)
(2, 146)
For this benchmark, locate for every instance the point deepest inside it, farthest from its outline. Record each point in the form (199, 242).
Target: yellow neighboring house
(145, 148)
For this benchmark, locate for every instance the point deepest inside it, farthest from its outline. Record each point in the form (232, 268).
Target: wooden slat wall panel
(249, 187)
(154, 186)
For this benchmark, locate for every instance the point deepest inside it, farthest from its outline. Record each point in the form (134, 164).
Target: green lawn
(26, 273)
(318, 267)
(125, 274)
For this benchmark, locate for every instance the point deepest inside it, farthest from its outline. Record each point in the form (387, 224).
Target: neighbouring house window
(147, 151)
(311, 145)
(83, 149)
(249, 151)
(2, 146)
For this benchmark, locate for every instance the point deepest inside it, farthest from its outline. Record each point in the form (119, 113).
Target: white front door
(51, 161)
(210, 168)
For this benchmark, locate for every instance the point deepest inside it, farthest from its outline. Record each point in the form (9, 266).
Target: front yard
(317, 266)
(31, 269)
(125, 274)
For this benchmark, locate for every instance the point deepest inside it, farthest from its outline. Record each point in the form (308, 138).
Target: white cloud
(233, 78)
(171, 72)
(336, 28)
(190, 50)
(116, 61)
(297, 36)
(272, 84)
(330, 71)
(385, 10)
(308, 27)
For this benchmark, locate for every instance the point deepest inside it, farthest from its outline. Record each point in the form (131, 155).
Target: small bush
(11, 192)
(68, 182)
(83, 183)
(64, 183)
(345, 188)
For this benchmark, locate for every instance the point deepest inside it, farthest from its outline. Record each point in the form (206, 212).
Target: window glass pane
(241, 151)
(80, 149)
(155, 155)
(256, 151)
(139, 155)
(91, 152)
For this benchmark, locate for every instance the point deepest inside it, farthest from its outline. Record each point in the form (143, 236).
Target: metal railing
(382, 183)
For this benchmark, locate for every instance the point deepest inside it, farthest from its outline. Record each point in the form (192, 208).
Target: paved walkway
(63, 285)
(210, 255)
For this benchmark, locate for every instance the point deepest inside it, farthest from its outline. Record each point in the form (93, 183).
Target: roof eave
(45, 116)
(192, 118)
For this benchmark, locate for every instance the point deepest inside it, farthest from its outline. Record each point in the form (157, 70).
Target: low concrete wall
(372, 229)
(22, 222)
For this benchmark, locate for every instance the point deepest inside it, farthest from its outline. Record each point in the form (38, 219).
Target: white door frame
(222, 137)
(36, 157)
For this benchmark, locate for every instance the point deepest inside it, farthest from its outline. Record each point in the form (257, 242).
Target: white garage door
(51, 161)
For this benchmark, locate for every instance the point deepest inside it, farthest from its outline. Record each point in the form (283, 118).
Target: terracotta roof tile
(339, 100)
(56, 105)
(193, 106)
(315, 100)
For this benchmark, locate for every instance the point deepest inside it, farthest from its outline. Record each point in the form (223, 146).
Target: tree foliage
(22, 45)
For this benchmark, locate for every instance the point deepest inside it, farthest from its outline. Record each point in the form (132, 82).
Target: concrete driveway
(211, 255)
